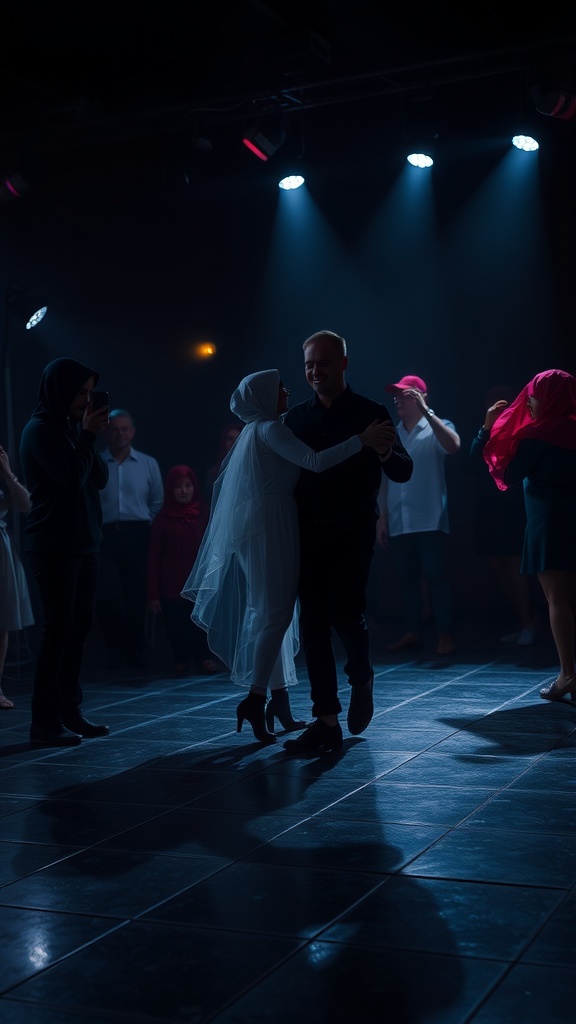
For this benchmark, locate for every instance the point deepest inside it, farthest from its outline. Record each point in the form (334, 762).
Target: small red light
(11, 188)
(254, 149)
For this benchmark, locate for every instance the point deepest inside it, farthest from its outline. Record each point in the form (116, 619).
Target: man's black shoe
(77, 723)
(361, 707)
(318, 736)
(54, 736)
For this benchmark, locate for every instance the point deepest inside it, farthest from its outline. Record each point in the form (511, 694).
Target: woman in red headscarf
(534, 440)
(175, 537)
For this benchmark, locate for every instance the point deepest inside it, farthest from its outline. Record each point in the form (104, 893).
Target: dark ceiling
(83, 74)
(125, 120)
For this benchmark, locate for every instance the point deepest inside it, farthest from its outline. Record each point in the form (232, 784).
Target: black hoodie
(61, 467)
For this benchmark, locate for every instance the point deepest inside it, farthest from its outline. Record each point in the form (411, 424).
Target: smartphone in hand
(100, 400)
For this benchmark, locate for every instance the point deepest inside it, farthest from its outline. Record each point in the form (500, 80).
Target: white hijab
(238, 487)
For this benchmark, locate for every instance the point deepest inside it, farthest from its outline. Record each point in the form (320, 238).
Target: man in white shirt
(414, 514)
(131, 499)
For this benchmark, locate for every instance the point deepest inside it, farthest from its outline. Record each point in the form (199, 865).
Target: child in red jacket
(175, 537)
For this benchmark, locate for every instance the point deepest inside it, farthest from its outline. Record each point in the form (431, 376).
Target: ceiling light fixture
(265, 138)
(559, 103)
(420, 159)
(525, 143)
(291, 181)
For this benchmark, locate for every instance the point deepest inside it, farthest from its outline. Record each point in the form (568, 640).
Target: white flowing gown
(245, 578)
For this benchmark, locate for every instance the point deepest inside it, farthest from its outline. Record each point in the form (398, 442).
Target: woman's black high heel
(279, 706)
(252, 709)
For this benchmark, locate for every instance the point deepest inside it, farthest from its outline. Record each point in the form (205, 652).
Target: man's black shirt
(347, 492)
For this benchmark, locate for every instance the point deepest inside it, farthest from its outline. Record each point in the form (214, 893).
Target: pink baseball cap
(408, 382)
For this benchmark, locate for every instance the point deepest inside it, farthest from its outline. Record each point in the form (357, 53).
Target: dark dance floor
(178, 872)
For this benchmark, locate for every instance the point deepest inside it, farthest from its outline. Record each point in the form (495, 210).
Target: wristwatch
(429, 413)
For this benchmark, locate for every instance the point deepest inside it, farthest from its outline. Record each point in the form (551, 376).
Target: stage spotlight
(264, 139)
(36, 317)
(291, 181)
(421, 127)
(420, 159)
(421, 147)
(24, 305)
(526, 143)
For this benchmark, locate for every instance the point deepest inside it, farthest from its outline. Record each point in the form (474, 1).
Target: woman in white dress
(245, 577)
(15, 607)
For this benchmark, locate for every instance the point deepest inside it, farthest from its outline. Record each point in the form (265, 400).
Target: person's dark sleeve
(99, 472)
(399, 466)
(67, 465)
(474, 464)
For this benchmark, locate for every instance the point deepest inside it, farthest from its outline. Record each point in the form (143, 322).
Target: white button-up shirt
(420, 504)
(134, 491)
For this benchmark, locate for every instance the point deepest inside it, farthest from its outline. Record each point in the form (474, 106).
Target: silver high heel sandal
(555, 692)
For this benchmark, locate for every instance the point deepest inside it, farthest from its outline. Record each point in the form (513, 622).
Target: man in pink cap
(414, 514)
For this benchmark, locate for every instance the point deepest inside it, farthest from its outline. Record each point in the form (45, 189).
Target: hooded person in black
(64, 474)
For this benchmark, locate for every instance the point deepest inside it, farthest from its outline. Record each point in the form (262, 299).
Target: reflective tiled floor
(178, 872)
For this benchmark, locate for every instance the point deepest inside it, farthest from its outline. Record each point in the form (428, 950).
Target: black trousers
(67, 585)
(334, 569)
(185, 637)
(122, 587)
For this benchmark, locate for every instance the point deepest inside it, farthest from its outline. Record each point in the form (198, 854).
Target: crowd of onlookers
(152, 526)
